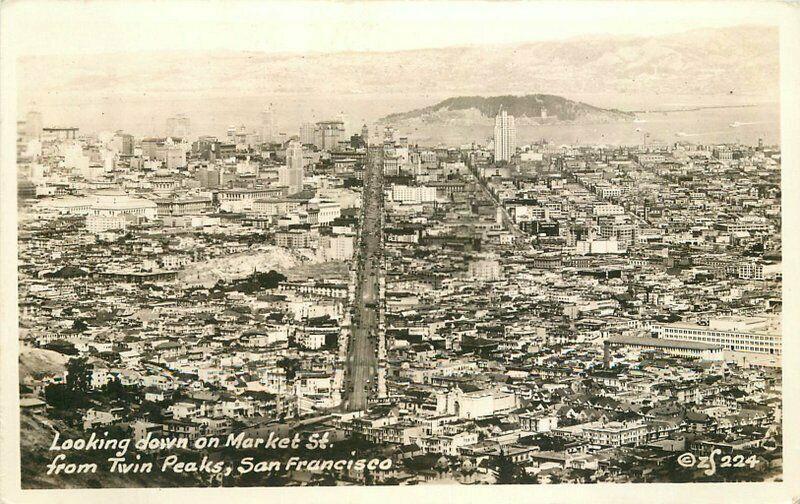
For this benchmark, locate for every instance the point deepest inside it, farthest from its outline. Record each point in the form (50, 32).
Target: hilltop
(39, 361)
(535, 108)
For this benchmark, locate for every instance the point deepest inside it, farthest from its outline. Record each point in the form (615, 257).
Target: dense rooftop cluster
(578, 314)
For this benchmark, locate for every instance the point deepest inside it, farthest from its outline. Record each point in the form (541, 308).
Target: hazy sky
(113, 26)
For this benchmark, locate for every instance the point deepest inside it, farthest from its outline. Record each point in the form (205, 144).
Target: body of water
(744, 125)
(212, 116)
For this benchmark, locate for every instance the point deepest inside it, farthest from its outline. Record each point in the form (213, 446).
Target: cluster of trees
(510, 473)
(66, 272)
(76, 392)
(290, 367)
(253, 283)
(62, 347)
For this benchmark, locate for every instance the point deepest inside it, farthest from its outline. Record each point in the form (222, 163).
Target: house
(96, 417)
(187, 410)
(141, 428)
(154, 394)
(130, 357)
(408, 451)
(537, 422)
(32, 404)
(182, 429)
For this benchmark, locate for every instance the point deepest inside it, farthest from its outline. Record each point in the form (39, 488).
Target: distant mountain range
(530, 109)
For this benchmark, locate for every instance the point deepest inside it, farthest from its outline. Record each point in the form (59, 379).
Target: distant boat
(639, 120)
(736, 124)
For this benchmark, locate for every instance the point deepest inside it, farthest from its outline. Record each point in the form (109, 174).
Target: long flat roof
(661, 343)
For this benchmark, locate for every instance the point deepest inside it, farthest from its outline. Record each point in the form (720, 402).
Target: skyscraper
(178, 126)
(345, 124)
(365, 134)
(123, 143)
(328, 134)
(291, 175)
(33, 125)
(505, 136)
(268, 125)
(307, 133)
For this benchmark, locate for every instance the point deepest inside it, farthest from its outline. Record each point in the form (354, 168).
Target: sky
(98, 26)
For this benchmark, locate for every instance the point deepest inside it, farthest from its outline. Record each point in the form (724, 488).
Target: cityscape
(340, 301)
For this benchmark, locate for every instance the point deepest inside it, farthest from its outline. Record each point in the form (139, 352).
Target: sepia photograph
(417, 244)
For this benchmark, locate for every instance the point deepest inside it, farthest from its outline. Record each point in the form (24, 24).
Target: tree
(58, 396)
(328, 479)
(115, 390)
(509, 473)
(79, 325)
(506, 470)
(62, 347)
(79, 375)
(269, 280)
(369, 479)
(274, 478)
(72, 394)
(290, 367)
(152, 411)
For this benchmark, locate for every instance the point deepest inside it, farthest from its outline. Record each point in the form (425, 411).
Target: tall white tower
(505, 136)
(345, 125)
(365, 134)
(33, 125)
(307, 133)
(291, 175)
(178, 126)
(268, 125)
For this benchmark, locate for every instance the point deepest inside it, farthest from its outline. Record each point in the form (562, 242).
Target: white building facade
(505, 136)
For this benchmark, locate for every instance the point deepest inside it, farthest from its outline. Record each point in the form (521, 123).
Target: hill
(36, 435)
(38, 361)
(534, 108)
